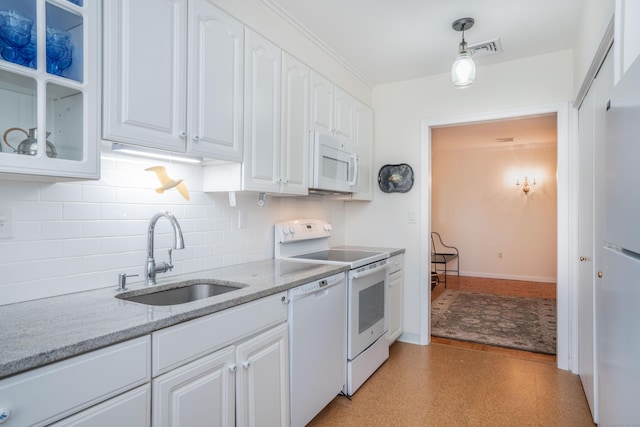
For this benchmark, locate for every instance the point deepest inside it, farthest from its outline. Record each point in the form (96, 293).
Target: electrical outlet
(500, 255)
(242, 218)
(6, 221)
(411, 217)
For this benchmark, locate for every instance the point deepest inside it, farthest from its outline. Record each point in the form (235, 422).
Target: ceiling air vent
(492, 47)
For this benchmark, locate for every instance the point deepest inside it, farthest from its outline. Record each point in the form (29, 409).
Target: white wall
(399, 108)
(71, 237)
(500, 231)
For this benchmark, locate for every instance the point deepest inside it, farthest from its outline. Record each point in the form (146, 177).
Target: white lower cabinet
(48, 394)
(228, 368)
(200, 393)
(395, 297)
(262, 379)
(242, 385)
(132, 408)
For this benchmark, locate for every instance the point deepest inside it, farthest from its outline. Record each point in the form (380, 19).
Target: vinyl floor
(443, 385)
(453, 383)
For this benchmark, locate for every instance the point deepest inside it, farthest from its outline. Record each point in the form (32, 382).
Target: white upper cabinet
(263, 63)
(215, 83)
(345, 109)
(322, 104)
(276, 118)
(173, 78)
(364, 147)
(332, 109)
(145, 64)
(50, 88)
(295, 126)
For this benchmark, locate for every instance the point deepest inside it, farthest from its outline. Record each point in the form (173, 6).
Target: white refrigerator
(618, 293)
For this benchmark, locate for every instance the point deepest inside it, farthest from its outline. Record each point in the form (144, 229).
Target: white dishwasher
(317, 345)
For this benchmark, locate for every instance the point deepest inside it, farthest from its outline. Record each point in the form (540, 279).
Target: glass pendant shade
(463, 70)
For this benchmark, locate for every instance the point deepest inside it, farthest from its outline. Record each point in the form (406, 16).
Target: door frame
(566, 218)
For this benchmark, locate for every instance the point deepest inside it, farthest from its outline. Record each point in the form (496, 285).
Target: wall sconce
(526, 185)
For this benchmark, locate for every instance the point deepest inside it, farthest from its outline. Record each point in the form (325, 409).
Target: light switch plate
(6, 220)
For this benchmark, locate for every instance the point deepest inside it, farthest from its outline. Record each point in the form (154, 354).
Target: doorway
(565, 198)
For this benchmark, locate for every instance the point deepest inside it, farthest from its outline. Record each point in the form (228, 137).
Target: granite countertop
(39, 332)
(392, 251)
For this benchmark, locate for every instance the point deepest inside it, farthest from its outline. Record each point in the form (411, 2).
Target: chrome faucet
(152, 268)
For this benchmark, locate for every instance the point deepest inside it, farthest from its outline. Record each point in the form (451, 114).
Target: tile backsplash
(77, 236)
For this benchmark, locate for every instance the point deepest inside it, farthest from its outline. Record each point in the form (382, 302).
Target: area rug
(506, 321)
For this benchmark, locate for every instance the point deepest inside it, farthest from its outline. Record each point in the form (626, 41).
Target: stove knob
(327, 227)
(285, 231)
(292, 230)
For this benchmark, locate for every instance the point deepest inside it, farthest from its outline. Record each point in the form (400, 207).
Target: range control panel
(302, 229)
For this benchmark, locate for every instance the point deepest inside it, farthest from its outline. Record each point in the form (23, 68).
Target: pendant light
(463, 70)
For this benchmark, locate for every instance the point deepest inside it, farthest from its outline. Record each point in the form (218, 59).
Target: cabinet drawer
(47, 394)
(396, 263)
(187, 341)
(132, 408)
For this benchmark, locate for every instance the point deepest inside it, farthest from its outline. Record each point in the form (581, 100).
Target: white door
(586, 289)
(322, 104)
(145, 64)
(200, 393)
(262, 395)
(261, 166)
(590, 205)
(295, 126)
(215, 84)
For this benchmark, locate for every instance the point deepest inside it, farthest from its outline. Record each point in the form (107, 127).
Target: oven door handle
(359, 274)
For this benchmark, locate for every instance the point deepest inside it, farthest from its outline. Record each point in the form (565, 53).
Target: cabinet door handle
(183, 134)
(233, 367)
(196, 138)
(246, 364)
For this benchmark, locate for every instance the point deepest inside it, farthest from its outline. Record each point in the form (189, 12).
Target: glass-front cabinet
(49, 88)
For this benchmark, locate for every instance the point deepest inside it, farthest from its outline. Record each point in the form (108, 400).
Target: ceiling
(393, 40)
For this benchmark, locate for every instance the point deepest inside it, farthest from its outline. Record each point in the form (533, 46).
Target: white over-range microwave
(333, 164)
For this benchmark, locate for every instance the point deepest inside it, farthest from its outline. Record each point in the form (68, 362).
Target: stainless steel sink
(179, 293)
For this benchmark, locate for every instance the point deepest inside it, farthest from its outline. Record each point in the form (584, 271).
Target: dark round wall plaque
(395, 178)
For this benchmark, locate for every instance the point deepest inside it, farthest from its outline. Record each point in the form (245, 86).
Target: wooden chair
(441, 256)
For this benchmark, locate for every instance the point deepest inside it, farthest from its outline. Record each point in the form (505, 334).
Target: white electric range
(308, 240)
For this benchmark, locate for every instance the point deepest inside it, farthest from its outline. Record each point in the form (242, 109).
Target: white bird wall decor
(169, 183)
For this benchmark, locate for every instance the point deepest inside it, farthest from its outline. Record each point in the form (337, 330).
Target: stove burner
(337, 255)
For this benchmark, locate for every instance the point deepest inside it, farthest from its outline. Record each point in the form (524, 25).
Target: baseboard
(541, 279)
(409, 338)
